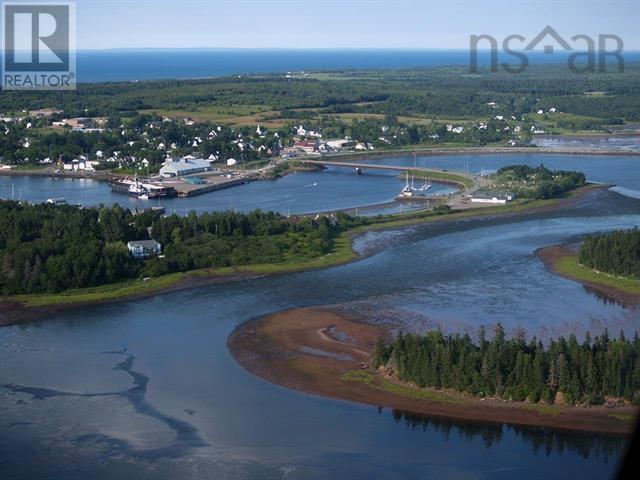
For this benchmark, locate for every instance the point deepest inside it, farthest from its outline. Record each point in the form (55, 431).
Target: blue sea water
(131, 65)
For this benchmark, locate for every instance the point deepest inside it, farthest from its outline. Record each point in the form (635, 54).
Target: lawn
(570, 267)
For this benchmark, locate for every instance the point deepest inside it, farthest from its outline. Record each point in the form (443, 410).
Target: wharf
(211, 184)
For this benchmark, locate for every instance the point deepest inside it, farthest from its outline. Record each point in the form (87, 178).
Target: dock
(210, 184)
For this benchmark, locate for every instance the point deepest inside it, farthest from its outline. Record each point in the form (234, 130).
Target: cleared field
(235, 115)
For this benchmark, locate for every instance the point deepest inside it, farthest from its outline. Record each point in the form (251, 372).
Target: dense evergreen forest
(515, 369)
(616, 252)
(47, 248)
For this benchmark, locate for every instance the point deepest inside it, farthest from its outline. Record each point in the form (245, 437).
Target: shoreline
(46, 172)
(321, 351)
(441, 151)
(562, 260)
(21, 308)
(395, 153)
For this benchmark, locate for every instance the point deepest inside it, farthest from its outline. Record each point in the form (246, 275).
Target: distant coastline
(130, 65)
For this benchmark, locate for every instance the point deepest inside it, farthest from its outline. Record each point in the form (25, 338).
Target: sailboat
(407, 191)
(427, 186)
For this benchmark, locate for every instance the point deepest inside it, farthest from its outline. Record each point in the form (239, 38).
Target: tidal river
(299, 193)
(148, 389)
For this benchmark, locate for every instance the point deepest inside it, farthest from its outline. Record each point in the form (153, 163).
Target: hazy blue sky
(339, 24)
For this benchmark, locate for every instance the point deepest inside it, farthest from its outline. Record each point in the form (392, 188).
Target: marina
(411, 192)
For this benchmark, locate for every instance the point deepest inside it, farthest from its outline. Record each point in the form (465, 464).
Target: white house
(144, 248)
(231, 162)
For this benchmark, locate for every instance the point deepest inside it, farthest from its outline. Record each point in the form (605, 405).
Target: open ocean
(132, 65)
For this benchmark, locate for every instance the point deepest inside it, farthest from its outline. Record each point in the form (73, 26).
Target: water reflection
(541, 440)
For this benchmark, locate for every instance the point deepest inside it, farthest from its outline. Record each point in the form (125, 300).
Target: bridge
(439, 174)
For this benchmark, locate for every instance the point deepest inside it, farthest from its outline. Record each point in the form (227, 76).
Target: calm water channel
(148, 389)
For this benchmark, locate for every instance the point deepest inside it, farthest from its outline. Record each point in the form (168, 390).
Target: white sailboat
(427, 185)
(407, 191)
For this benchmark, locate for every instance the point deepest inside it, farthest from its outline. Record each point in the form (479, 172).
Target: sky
(416, 24)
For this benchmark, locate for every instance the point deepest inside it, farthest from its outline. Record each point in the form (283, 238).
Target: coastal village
(148, 142)
(157, 156)
(369, 240)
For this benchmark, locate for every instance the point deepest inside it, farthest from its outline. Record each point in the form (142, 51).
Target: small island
(608, 263)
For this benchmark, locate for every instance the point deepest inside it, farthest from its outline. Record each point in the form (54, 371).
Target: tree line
(583, 373)
(616, 252)
(50, 249)
(424, 91)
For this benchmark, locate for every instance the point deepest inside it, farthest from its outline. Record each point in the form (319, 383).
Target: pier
(211, 184)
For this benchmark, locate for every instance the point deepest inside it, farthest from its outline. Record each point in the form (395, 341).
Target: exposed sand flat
(300, 349)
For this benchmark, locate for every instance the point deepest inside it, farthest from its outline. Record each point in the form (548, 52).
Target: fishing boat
(135, 188)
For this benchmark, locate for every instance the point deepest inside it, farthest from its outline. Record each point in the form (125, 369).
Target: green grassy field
(446, 176)
(570, 267)
(379, 383)
(234, 115)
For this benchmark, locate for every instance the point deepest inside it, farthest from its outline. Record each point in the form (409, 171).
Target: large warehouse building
(186, 166)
